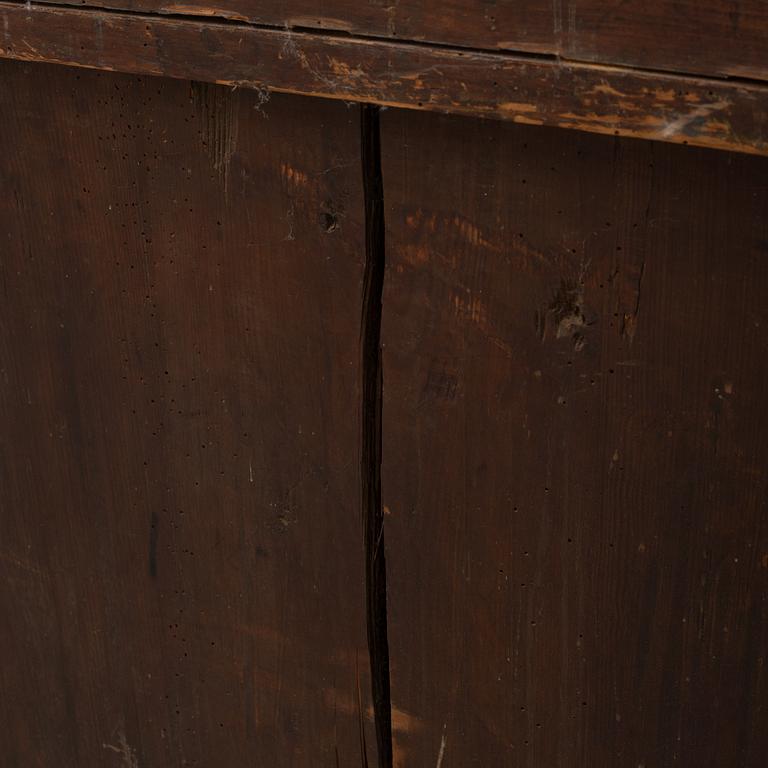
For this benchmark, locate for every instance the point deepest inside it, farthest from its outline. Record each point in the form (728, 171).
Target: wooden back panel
(182, 556)
(574, 448)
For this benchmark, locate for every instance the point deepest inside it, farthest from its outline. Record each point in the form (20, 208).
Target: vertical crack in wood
(372, 512)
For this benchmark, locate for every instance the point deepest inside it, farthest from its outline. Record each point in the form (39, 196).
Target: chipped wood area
(687, 110)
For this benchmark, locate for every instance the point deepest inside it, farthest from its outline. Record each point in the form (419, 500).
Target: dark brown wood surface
(712, 37)
(182, 565)
(686, 110)
(575, 448)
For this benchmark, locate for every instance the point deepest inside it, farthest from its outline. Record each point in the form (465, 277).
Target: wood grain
(708, 37)
(182, 557)
(725, 115)
(575, 444)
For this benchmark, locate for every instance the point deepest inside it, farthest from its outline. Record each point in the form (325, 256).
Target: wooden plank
(182, 556)
(598, 99)
(575, 446)
(708, 37)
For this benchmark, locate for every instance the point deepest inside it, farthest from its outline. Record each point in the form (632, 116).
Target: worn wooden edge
(721, 114)
(707, 38)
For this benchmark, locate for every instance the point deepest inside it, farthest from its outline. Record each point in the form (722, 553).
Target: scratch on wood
(124, 749)
(310, 22)
(629, 323)
(571, 18)
(197, 10)
(608, 90)
(441, 753)
(218, 115)
(21, 564)
(557, 17)
(683, 123)
(361, 724)
(153, 532)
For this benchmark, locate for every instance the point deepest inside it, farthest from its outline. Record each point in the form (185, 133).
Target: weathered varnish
(687, 110)
(182, 568)
(337, 431)
(574, 447)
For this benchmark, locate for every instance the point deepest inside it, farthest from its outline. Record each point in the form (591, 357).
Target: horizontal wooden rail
(723, 114)
(712, 38)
